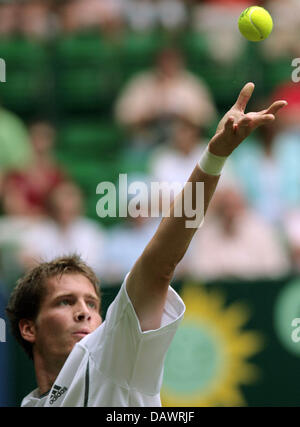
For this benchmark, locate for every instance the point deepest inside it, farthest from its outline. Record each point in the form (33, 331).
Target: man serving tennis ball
(54, 310)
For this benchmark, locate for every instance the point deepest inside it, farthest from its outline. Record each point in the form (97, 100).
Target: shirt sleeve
(126, 355)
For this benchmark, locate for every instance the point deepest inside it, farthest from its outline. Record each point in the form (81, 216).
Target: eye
(64, 302)
(92, 304)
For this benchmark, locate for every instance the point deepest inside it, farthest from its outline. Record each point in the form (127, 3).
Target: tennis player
(54, 310)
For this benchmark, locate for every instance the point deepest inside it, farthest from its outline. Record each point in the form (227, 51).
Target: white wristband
(211, 164)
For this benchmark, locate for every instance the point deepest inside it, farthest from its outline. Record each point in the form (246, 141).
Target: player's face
(68, 313)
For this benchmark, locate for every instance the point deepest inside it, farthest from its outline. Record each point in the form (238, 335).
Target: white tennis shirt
(117, 365)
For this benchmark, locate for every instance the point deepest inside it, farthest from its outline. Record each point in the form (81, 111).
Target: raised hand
(235, 126)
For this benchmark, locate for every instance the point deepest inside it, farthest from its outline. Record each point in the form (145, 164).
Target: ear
(27, 330)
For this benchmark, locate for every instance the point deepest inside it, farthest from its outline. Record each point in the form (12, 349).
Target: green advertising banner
(238, 345)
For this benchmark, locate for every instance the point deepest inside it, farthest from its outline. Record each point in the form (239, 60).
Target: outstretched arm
(148, 282)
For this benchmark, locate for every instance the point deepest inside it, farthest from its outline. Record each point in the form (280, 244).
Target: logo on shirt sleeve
(56, 393)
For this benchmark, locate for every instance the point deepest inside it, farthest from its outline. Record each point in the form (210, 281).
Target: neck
(46, 372)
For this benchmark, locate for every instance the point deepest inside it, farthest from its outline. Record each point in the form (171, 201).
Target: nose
(81, 312)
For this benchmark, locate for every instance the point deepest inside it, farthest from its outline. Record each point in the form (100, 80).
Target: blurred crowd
(47, 18)
(253, 226)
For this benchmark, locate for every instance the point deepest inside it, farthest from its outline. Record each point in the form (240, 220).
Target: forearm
(173, 236)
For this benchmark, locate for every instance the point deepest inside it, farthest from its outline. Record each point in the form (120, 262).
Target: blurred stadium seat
(195, 47)
(29, 76)
(139, 51)
(87, 73)
(89, 152)
(88, 174)
(88, 140)
(224, 79)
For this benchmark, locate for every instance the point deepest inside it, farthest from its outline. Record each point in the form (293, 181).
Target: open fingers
(244, 121)
(275, 107)
(250, 121)
(229, 125)
(263, 120)
(244, 96)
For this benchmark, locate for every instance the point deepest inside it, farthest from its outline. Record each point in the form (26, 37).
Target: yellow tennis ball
(255, 23)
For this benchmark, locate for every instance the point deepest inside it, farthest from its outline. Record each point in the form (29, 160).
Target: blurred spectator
(31, 186)
(284, 40)
(35, 19)
(24, 191)
(152, 98)
(24, 195)
(126, 243)
(267, 166)
(15, 148)
(242, 3)
(217, 21)
(109, 13)
(15, 225)
(291, 228)
(78, 15)
(9, 18)
(143, 15)
(68, 16)
(235, 242)
(172, 14)
(67, 231)
(175, 161)
(289, 117)
(140, 15)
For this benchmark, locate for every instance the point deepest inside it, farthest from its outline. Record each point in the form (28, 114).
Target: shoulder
(173, 310)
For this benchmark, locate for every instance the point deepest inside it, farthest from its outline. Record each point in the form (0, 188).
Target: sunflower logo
(208, 359)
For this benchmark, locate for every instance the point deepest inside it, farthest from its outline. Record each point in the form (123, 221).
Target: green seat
(22, 52)
(89, 140)
(139, 52)
(91, 49)
(225, 80)
(24, 91)
(28, 75)
(195, 48)
(86, 89)
(88, 174)
(88, 73)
